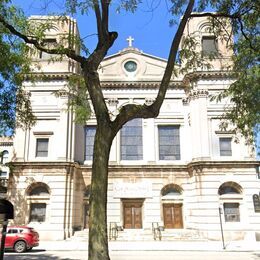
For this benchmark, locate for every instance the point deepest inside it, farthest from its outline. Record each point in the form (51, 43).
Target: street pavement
(75, 245)
(137, 255)
(145, 250)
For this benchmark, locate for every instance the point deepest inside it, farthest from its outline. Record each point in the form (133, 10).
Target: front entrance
(172, 214)
(132, 210)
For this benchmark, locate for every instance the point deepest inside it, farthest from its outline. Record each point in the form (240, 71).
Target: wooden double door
(172, 214)
(132, 210)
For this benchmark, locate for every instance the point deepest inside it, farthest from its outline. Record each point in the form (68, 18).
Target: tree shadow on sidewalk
(34, 257)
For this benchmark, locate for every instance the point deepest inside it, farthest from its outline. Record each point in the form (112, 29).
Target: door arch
(172, 206)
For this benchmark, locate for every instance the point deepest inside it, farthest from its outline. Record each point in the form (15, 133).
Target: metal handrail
(157, 230)
(113, 230)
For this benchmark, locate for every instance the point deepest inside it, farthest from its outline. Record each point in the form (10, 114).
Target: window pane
(231, 211)
(132, 140)
(42, 147)
(209, 46)
(50, 44)
(5, 155)
(90, 132)
(39, 191)
(38, 212)
(3, 174)
(169, 142)
(225, 146)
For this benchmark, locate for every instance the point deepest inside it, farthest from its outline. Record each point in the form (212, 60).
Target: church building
(179, 171)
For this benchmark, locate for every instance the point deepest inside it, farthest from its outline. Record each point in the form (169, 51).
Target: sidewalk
(154, 246)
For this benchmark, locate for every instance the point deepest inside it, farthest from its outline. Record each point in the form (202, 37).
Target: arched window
(5, 156)
(230, 188)
(230, 193)
(38, 196)
(171, 190)
(39, 191)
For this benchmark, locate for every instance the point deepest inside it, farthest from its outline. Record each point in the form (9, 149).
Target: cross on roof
(130, 41)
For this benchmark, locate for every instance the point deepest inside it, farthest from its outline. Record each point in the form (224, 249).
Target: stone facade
(181, 189)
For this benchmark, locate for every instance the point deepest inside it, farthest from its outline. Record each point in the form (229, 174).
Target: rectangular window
(209, 45)
(131, 137)
(49, 44)
(42, 147)
(231, 212)
(169, 142)
(37, 212)
(225, 146)
(3, 174)
(90, 132)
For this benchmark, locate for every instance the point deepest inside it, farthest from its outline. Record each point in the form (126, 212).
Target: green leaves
(78, 100)
(15, 108)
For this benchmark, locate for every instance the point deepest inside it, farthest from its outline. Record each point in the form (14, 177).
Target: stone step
(146, 235)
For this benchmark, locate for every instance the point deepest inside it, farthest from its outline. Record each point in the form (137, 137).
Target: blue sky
(149, 25)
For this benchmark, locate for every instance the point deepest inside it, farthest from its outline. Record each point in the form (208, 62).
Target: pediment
(131, 64)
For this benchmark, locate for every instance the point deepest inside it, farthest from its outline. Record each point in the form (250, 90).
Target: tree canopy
(15, 108)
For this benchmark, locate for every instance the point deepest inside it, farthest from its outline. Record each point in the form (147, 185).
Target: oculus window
(130, 66)
(169, 142)
(131, 137)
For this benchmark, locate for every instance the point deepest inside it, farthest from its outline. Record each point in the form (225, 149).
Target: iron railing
(113, 230)
(157, 230)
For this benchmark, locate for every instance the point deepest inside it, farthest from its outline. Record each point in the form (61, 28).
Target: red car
(21, 238)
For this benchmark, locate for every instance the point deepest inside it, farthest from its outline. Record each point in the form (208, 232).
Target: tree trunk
(98, 237)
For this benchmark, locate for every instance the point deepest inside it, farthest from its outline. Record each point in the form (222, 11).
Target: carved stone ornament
(149, 101)
(112, 101)
(199, 93)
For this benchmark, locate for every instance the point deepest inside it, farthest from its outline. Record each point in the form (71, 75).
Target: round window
(130, 66)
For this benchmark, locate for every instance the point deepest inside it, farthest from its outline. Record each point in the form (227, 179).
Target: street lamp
(221, 227)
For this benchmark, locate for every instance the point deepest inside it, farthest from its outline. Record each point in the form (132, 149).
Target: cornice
(47, 76)
(47, 164)
(216, 74)
(197, 167)
(139, 84)
(182, 167)
(6, 143)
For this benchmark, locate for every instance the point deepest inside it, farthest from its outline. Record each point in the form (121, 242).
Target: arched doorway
(172, 206)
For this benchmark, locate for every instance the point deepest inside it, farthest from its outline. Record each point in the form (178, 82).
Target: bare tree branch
(99, 20)
(105, 13)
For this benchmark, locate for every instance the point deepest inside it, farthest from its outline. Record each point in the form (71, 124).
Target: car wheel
(20, 247)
